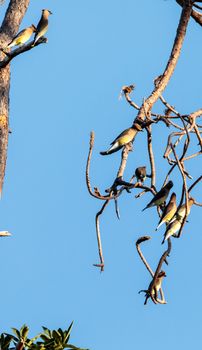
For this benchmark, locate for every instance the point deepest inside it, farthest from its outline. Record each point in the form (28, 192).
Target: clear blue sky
(59, 93)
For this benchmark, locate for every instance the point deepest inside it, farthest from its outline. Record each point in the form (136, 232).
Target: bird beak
(50, 12)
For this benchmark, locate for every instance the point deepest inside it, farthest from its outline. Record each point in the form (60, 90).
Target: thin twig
(138, 242)
(124, 157)
(172, 62)
(97, 223)
(158, 269)
(95, 194)
(194, 184)
(184, 190)
(151, 156)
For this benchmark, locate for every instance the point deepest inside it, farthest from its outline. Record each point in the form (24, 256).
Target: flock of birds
(171, 216)
(24, 35)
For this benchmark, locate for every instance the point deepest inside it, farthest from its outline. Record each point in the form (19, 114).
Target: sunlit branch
(97, 223)
(138, 242)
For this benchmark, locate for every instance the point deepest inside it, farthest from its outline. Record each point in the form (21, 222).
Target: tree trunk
(9, 28)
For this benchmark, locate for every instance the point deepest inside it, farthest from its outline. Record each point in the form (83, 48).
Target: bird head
(173, 196)
(47, 12)
(162, 274)
(137, 127)
(191, 201)
(169, 184)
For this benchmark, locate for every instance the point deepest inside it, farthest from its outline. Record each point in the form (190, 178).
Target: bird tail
(145, 208)
(114, 148)
(36, 38)
(161, 223)
(166, 236)
(163, 240)
(11, 44)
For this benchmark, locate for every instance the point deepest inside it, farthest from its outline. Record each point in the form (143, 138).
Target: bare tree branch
(194, 14)
(20, 50)
(101, 265)
(172, 62)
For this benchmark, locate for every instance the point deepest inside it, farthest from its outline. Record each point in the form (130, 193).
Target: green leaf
(68, 331)
(62, 334)
(16, 332)
(24, 332)
(44, 337)
(13, 337)
(56, 336)
(7, 340)
(47, 331)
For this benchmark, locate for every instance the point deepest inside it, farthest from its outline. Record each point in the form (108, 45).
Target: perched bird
(155, 289)
(42, 26)
(169, 211)
(176, 222)
(140, 173)
(125, 137)
(172, 229)
(161, 196)
(182, 210)
(158, 284)
(22, 37)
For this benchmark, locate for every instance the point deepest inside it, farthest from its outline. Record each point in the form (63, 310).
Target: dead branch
(184, 125)
(184, 190)
(124, 157)
(151, 156)
(158, 269)
(194, 184)
(197, 16)
(20, 50)
(97, 223)
(138, 242)
(172, 62)
(96, 193)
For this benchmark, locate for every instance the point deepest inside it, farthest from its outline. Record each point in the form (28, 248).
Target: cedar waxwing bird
(161, 196)
(158, 284)
(176, 222)
(182, 210)
(169, 211)
(140, 173)
(172, 229)
(42, 26)
(123, 139)
(156, 287)
(22, 37)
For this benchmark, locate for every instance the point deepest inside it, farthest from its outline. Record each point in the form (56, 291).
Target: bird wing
(42, 25)
(159, 196)
(19, 35)
(123, 133)
(168, 212)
